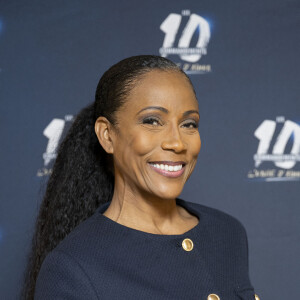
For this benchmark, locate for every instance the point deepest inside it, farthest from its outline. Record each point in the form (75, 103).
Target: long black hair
(82, 176)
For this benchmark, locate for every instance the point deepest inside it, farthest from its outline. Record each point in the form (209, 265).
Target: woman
(111, 225)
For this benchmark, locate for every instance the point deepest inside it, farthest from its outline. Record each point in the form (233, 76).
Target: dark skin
(155, 145)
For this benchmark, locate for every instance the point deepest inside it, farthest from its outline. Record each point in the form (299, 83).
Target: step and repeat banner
(243, 59)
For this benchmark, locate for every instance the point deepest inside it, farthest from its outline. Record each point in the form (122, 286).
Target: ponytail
(81, 181)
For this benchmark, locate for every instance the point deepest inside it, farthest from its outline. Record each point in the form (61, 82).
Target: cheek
(142, 144)
(195, 145)
(131, 154)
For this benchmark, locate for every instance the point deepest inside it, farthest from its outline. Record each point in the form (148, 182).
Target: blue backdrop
(243, 59)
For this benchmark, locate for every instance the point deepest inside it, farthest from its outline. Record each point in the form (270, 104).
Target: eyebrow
(186, 113)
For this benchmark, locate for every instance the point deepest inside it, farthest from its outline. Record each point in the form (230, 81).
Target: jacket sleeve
(61, 277)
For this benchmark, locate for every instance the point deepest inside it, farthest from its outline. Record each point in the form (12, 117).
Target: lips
(168, 168)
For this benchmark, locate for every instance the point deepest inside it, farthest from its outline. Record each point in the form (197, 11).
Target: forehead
(170, 89)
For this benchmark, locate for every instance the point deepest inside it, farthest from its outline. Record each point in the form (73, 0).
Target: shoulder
(70, 260)
(215, 219)
(62, 277)
(85, 238)
(225, 234)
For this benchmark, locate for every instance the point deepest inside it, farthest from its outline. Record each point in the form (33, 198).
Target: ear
(104, 131)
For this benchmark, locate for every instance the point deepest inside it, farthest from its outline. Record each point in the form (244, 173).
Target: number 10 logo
(170, 27)
(265, 133)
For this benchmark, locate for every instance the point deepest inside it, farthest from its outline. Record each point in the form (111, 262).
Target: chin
(167, 192)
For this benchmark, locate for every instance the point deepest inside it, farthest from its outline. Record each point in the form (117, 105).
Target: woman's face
(156, 141)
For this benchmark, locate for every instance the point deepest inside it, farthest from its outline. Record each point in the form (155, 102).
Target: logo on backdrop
(54, 132)
(186, 36)
(278, 153)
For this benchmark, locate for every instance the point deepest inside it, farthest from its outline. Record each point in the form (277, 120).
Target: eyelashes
(154, 121)
(191, 125)
(151, 121)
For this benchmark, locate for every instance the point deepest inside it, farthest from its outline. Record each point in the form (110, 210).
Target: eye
(190, 125)
(151, 121)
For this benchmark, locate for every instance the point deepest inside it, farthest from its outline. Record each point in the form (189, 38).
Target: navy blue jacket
(102, 259)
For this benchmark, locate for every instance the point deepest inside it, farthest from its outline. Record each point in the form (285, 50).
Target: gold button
(187, 245)
(256, 297)
(213, 297)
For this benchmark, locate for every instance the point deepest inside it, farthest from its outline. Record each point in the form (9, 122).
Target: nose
(173, 141)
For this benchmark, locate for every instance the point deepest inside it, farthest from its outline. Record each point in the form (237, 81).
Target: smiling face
(156, 142)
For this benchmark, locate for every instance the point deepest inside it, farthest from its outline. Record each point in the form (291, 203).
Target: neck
(146, 212)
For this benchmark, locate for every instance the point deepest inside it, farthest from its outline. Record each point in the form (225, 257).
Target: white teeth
(167, 167)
